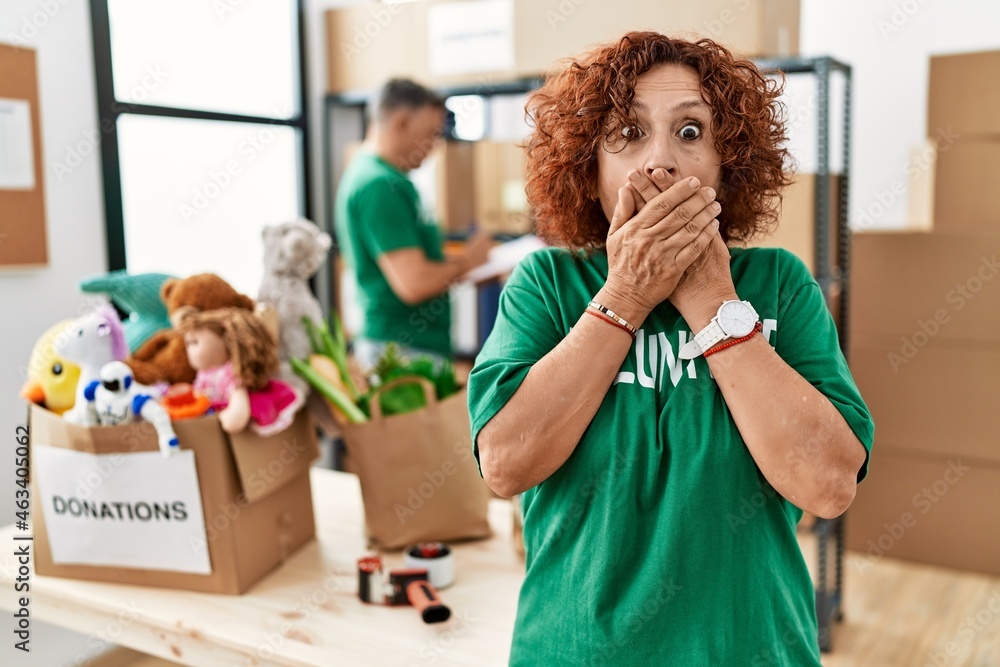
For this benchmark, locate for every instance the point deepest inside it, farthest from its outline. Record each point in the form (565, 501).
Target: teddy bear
(163, 357)
(293, 252)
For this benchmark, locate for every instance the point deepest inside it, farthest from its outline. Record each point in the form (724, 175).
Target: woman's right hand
(649, 250)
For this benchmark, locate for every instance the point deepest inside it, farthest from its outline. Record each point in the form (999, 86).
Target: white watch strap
(710, 335)
(703, 340)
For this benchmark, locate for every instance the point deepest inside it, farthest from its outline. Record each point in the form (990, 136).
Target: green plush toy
(139, 296)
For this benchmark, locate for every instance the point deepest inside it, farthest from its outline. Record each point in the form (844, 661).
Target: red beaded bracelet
(610, 321)
(736, 341)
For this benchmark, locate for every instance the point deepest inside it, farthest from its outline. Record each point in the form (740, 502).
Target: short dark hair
(402, 94)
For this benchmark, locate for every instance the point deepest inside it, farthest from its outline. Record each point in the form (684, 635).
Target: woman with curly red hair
(667, 402)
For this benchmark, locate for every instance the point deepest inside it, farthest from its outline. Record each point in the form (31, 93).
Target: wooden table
(306, 613)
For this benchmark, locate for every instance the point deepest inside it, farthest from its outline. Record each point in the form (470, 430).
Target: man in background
(389, 242)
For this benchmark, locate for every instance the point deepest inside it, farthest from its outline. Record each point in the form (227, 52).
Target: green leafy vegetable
(344, 402)
(333, 345)
(410, 396)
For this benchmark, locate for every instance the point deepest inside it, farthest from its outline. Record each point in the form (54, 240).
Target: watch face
(736, 319)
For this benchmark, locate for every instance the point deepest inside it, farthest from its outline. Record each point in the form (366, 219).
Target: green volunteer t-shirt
(659, 542)
(377, 211)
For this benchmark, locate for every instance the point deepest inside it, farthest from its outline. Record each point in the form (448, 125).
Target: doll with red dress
(235, 357)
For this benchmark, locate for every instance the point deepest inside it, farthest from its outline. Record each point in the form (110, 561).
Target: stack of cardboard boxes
(925, 332)
(796, 229)
(368, 42)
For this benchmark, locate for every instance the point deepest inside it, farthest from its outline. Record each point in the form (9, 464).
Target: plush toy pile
(220, 352)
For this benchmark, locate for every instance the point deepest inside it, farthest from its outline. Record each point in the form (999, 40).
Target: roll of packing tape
(437, 558)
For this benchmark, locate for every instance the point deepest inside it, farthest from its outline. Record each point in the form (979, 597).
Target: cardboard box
(796, 230)
(547, 32)
(962, 95)
(966, 177)
(501, 203)
(943, 286)
(254, 493)
(929, 399)
(456, 189)
(371, 41)
(920, 189)
(929, 509)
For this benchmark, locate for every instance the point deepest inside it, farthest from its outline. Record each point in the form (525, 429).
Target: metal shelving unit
(833, 278)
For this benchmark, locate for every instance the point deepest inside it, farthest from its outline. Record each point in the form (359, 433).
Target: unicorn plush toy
(91, 341)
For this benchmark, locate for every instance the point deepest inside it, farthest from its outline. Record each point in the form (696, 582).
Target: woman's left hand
(708, 281)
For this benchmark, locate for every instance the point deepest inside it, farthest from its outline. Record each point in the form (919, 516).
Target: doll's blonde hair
(251, 346)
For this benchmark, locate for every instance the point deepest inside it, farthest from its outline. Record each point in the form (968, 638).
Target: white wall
(889, 43)
(59, 30)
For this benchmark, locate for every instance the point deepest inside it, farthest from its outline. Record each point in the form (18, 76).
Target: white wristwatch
(734, 319)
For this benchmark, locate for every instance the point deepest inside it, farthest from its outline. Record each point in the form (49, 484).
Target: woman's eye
(690, 132)
(631, 131)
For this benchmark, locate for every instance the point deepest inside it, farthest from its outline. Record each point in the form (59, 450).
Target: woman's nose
(662, 156)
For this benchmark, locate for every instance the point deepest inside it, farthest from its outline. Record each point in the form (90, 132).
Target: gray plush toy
(293, 252)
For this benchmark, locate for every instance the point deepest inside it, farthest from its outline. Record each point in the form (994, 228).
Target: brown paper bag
(419, 479)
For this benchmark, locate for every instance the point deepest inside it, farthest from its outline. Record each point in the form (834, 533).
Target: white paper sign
(17, 162)
(470, 37)
(136, 510)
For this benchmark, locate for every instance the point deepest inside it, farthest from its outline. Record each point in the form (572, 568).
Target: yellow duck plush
(51, 379)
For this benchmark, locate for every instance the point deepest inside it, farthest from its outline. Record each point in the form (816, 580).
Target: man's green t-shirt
(659, 542)
(377, 211)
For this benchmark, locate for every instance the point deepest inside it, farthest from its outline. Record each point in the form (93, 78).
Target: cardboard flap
(48, 428)
(266, 464)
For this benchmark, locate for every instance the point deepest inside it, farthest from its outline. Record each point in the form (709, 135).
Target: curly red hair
(584, 104)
